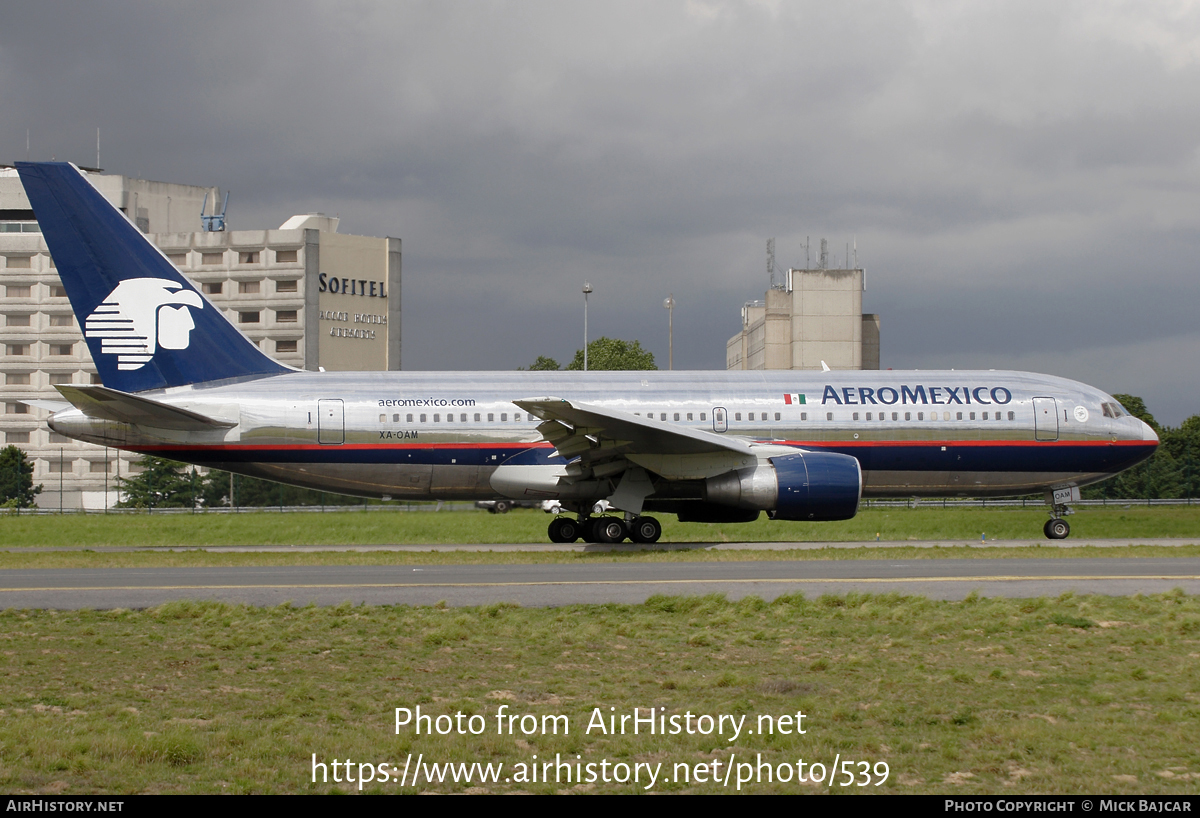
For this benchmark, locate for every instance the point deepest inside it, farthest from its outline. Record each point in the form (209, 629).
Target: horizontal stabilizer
(110, 404)
(48, 405)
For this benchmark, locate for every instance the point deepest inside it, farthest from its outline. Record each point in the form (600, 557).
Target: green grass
(387, 527)
(1066, 695)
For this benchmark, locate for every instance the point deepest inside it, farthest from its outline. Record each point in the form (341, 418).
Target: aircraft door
(331, 422)
(720, 419)
(1045, 419)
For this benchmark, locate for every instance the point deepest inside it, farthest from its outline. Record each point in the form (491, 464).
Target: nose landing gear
(1056, 528)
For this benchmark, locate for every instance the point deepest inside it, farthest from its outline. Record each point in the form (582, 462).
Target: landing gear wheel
(501, 507)
(1057, 529)
(608, 530)
(645, 530)
(564, 530)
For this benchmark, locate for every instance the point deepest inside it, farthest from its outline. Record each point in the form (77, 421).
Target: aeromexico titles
(180, 381)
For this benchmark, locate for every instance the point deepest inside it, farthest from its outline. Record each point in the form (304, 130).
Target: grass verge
(388, 527)
(1066, 695)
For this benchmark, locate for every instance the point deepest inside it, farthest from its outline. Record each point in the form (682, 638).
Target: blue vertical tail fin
(146, 326)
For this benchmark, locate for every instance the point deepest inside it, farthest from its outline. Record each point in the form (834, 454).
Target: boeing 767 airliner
(181, 382)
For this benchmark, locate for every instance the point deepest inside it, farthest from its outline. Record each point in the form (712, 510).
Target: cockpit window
(1113, 410)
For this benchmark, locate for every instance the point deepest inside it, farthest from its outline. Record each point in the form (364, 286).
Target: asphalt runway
(566, 584)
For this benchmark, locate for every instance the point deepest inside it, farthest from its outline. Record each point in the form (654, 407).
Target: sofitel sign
(350, 286)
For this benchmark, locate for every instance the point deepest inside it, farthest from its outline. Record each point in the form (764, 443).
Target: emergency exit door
(720, 419)
(331, 422)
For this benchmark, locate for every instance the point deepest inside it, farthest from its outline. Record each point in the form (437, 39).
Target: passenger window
(437, 418)
(503, 417)
(959, 417)
(985, 415)
(383, 418)
(856, 415)
(463, 418)
(895, 415)
(868, 415)
(395, 418)
(662, 415)
(777, 416)
(422, 418)
(702, 416)
(946, 415)
(737, 415)
(677, 416)
(409, 418)
(920, 415)
(491, 418)
(908, 415)
(689, 415)
(998, 416)
(476, 417)
(971, 416)
(829, 415)
(449, 417)
(1012, 415)
(804, 415)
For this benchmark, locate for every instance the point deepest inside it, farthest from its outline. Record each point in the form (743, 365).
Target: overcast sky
(1022, 179)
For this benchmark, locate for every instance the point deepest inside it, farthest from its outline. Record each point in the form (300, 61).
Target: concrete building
(815, 316)
(305, 294)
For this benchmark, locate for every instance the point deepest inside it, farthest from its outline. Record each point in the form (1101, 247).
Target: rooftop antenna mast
(216, 222)
(771, 263)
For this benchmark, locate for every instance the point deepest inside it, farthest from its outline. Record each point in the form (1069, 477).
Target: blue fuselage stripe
(1017, 457)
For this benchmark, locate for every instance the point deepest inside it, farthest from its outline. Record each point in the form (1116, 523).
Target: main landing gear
(639, 529)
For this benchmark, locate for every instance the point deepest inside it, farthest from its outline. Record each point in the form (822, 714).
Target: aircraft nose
(1147, 432)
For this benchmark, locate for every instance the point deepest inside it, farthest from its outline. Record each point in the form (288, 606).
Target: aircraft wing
(606, 441)
(110, 404)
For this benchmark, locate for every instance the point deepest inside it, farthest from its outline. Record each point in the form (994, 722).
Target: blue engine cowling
(809, 486)
(817, 486)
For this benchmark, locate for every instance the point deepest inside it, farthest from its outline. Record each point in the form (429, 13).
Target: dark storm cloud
(1021, 179)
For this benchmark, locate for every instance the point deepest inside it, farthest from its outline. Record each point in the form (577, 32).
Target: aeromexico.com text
(939, 395)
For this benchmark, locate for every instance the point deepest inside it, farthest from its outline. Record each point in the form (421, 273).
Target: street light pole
(669, 303)
(587, 288)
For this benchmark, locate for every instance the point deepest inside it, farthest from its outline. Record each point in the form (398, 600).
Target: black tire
(1057, 529)
(564, 530)
(502, 506)
(645, 530)
(609, 530)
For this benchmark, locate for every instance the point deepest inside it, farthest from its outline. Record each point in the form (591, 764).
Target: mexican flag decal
(794, 398)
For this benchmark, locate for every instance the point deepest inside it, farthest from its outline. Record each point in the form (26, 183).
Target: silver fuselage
(442, 435)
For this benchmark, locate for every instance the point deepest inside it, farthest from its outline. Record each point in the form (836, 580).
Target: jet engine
(808, 486)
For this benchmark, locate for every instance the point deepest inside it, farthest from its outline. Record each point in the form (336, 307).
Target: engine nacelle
(808, 486)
